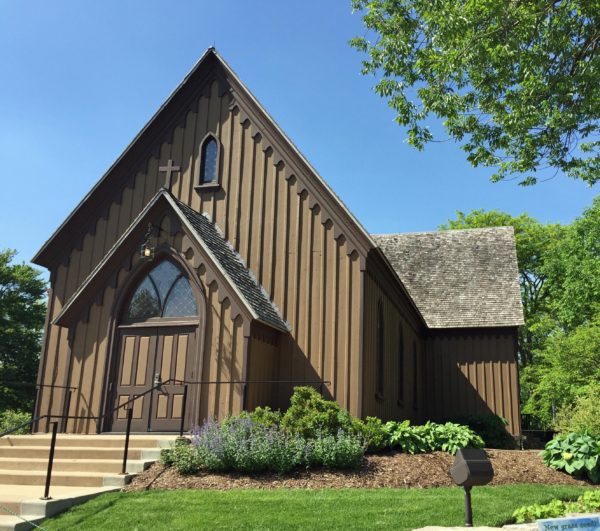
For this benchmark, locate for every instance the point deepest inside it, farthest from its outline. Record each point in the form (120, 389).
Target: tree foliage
(516, 83)
(22, 310)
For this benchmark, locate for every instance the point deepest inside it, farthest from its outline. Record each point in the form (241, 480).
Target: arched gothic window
(163, 292)
(380, 350)
(209, 156)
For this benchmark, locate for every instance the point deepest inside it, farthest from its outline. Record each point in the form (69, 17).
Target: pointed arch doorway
(158, 340)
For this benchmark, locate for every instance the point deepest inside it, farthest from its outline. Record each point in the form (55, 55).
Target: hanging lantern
(147, 249)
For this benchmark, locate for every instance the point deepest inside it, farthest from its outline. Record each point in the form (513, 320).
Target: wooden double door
(149, 355)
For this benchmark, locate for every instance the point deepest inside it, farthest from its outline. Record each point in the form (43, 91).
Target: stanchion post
(50, 462)
(183, 407)
(468, 508)
(126, 450)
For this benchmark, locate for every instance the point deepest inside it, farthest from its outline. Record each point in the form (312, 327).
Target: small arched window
(163, 292)
(400, 364)
(416, 376)
(380, 349)
(209, 158)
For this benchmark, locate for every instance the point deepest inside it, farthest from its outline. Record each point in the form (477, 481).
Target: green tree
(537, 246)
(565, 368)
(516, 83)
(22, 310)
(574, 274)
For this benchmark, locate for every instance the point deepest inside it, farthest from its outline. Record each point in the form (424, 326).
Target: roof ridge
(442, 231)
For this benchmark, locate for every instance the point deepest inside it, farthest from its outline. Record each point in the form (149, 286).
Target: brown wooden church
(211, 251)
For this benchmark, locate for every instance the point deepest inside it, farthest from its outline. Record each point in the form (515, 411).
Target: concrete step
(26, 499)
(21, 523)
(75, 452)
(74, 465)
(71, 479)
(102, 441)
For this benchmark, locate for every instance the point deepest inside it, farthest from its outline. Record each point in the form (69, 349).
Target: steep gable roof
(459, 278)
(219, 251)
(209, 67)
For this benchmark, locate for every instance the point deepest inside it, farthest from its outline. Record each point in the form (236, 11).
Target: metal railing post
(183, 407)
(66, 408)
(126, 451)
(50, 462)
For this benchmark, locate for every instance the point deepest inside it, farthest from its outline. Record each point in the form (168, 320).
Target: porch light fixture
(147, 249)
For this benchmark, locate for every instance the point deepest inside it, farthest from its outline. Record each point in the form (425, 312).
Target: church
(211, 269)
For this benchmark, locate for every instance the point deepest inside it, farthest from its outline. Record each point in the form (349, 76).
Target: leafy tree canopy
(22, 310)
(517, 83)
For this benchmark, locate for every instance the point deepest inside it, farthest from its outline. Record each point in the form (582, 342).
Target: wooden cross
(169, 169)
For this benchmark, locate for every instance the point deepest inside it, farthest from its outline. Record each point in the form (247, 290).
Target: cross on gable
(169, 169)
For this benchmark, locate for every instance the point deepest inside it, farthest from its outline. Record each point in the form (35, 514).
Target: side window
(209, 161)
(400, 364)
(380, 350)
(416, 376)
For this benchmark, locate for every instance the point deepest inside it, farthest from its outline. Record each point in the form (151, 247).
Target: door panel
(174, 361)
(138, 351)
(145, 354)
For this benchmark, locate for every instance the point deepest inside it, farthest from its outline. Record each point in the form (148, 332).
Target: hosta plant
(577, 454)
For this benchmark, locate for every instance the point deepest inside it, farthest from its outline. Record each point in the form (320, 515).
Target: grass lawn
(308, 509)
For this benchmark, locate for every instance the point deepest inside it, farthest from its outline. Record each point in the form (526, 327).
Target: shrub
(588, 502)
(310, 414)
(491, 428)
(344, 450)
(577, 454)
(431, 437)
(266, 416)
(243, 445)
(373, 432)
(184, 458)
(530, 513)
(583, 415)
(11, 418)
(406, 438)
(450, 437)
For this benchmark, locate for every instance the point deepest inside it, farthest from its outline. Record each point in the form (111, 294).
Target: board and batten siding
(83, 361)
(472, 371)
(402, 396)
(283, 229)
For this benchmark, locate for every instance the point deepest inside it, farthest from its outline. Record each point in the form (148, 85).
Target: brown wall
(263, 364)
(288, 230)
(83, 361)
(472, 371)
(396, 313)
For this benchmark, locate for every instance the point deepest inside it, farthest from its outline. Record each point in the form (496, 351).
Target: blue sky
(80, 78)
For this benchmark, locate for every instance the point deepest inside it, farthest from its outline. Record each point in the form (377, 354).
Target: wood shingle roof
(459, 278)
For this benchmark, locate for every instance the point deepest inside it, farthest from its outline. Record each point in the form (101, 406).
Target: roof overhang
(159, 206)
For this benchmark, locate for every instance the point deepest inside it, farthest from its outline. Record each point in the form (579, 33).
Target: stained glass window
(164, 292)
(208, 161)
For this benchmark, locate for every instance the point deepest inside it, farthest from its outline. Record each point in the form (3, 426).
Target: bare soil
(393, 470)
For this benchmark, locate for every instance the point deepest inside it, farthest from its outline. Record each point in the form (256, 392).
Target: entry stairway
(84, 466)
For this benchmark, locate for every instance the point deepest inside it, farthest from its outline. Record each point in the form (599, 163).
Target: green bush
(450, 437)
(344, 450)
(185, 458)
(583, 416)
(577, 454)
(431, 437)
(491, 428)
(241, 444)
(588, 502)
(373, 432)
(310, 414)
(11, 418)
(266, 416)
(406, 438)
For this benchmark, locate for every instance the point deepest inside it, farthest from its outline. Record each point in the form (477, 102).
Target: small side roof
(459, 278)
(219, 251)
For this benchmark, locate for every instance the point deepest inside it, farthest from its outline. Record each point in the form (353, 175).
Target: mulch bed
(393, 470)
